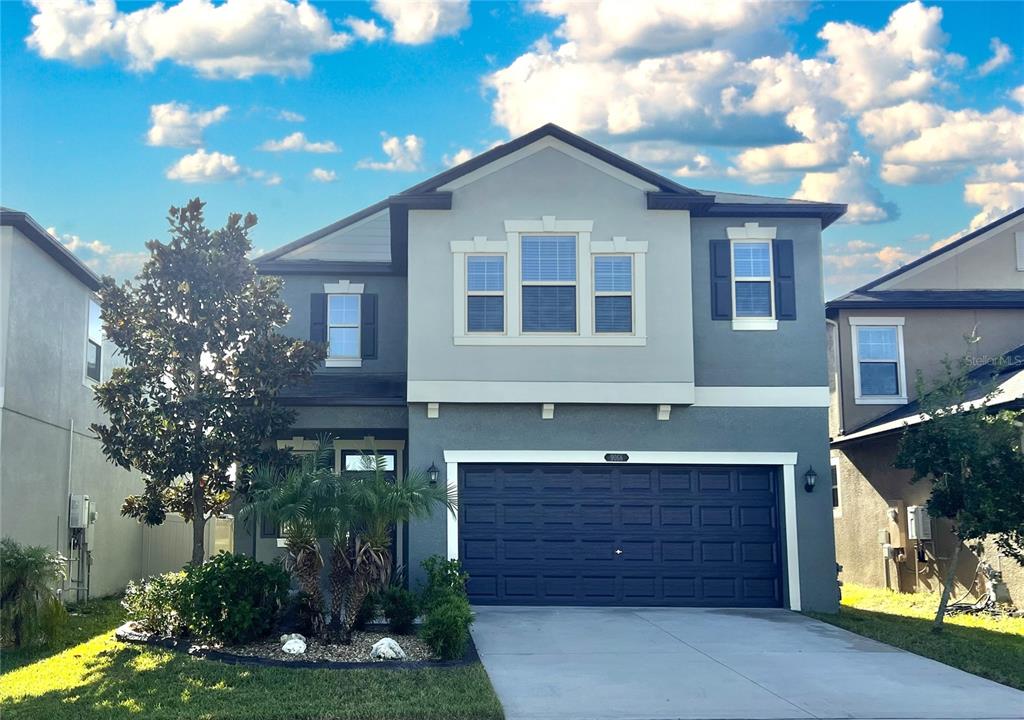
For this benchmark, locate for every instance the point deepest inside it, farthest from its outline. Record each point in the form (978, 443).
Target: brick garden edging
(127, 634)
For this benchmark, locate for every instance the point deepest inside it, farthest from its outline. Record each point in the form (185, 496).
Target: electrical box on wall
(919, 523)
(78, 511)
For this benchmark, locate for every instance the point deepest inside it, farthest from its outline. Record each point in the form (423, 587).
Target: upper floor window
(879, 368)
(343, 325)
(548, 283)
(485, 293)
(94, 343)
(752, 279)
(613, 293)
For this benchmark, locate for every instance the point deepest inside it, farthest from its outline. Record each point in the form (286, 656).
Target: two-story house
(621, 377)
(882, 335)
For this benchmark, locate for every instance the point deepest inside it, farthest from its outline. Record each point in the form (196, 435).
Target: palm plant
(372, 504)
(30, 609)
(301, 500)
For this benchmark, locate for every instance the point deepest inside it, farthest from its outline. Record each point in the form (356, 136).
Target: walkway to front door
(655, 663)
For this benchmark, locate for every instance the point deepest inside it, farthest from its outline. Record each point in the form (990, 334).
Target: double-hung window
(94, 343)
(752, 280)
(613, 293)
(548, 277)
(879, 373)
(343, 326)
(485, 293)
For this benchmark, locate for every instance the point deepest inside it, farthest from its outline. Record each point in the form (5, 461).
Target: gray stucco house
(622, 377)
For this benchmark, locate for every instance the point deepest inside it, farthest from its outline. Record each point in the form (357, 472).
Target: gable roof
(969, 299)
(930, 256)
(28, 227)
(669, 195)
(1007, 376)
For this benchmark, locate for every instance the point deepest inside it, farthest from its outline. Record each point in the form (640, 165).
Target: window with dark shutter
(318, 317)
(721, 280)
(368, 332)
(785, 279)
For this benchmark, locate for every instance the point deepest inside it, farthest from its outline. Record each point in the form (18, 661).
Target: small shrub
(297, 615)
(442, 576)
(234, 598)
(446, 624)
(30, 609)
(154, 603)
(400, 607)
(368, 611)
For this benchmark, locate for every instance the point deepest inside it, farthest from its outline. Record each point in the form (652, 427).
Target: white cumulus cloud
(74, 243)
(366, 30)
(298, 142)
(1001, 55)
(175, 124)
(404, 154)
(202, 166)
(290, 116)
(457, 158)
(850, 184)
(415, 22)
(231, 39)
(322, 175)
(858, 261)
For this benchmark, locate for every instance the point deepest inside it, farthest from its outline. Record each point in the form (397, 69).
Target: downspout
(838, 374)
(67, 498)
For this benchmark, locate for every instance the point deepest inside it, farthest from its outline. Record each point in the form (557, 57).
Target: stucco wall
(868, 486)
(634, 428)
(928, 337)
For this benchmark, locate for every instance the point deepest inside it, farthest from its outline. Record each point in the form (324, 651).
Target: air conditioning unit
(78, 512)
(919, 523)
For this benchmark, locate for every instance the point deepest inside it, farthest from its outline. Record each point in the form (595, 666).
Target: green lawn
(94, 676)
(992, 647)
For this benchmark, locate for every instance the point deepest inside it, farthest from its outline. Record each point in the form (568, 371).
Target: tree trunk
(947, 587)
(198, 520)
(341, 586)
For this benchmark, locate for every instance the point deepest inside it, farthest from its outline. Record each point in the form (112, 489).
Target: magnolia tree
(203, 365)
(973, 458)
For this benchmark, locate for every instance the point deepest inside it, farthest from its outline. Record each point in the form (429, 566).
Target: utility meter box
(78, 515)
(919, 523)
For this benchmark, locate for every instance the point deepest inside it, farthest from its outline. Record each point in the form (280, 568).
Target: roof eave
(28, 227)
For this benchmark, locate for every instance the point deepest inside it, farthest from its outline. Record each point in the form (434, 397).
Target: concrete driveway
(654, 664)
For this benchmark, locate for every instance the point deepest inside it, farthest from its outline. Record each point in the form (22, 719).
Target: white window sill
(880, 400)
(554, 340)
(755, 324)
(344, 362)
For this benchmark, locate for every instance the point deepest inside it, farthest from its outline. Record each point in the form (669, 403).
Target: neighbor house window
(94, 344)
(548, 265)
(343, 325)
(485, 293)
(835, 485)
(752, 279)
(879, 372)
(613, 293)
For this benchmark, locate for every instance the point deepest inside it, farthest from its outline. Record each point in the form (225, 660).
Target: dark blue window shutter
(785, 280)
(721, 281)
(318, 317)
(368, 325)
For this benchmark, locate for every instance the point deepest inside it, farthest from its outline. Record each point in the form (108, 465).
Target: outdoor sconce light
(432, 473)
(810, 477)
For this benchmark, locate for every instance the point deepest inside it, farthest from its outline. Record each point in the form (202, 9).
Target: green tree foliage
(30, 611)
(204, 362)
(973, 458)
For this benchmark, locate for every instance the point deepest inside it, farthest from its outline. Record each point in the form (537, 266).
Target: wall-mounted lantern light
(810, 478)
(432, 473)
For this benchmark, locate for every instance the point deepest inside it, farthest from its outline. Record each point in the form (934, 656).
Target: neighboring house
(621, 377)
(882, 335)
(52, 352)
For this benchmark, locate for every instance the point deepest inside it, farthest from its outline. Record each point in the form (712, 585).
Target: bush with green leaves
(154, 603)
(30, 609)
(368, 611)
(233, 598)
(446, 611)
(400, 607)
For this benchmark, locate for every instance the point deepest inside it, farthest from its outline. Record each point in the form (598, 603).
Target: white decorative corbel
(433, 410)
(664, 412)
(547, 411)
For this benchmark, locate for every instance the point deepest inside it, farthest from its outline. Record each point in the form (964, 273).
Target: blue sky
(111, 113)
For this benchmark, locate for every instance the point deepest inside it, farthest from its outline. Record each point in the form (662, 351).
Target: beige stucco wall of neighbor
(987, 263)
(863, 512)
(45, 394)
(928, 337)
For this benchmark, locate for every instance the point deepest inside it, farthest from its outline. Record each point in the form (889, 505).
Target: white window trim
(901, 370)
(837, 510)
(344, 287)
(786, 460)
(86, 380)
(585, 249)
(753, 232)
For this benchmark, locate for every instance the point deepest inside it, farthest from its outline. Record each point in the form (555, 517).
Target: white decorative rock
(387, 649)
(293, 644)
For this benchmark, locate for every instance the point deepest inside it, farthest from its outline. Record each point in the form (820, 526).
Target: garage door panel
(685, 535)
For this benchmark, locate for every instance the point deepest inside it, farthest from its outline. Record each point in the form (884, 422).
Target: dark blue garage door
(620, 535)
